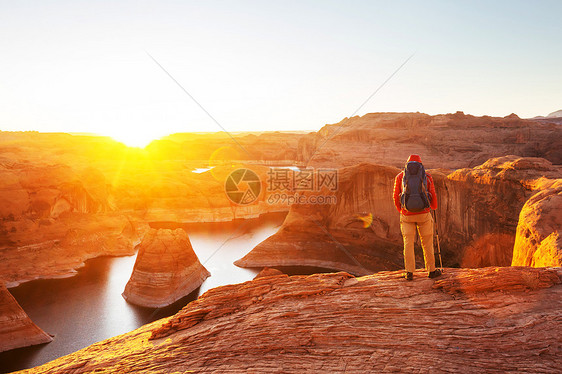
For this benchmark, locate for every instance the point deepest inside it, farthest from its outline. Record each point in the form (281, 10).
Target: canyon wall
(52, 219)
(451, 141)
(166, 269)
(468, 320)
(16, 329)
(478, 216)
(480, 209)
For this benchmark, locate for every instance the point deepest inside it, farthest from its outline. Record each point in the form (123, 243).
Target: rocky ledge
(16, 329)
(470, 320)
(166, 269)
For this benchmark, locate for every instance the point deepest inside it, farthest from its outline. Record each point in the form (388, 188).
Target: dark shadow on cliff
(146, 315)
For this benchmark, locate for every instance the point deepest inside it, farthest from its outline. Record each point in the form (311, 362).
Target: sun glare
(135, 139)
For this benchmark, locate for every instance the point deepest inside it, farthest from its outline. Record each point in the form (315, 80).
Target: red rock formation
(478, 215)
(16, 329)
(539, 232)
(166, 269)
(483, 320)
(450, 141)
(52, 219)
(481, 206)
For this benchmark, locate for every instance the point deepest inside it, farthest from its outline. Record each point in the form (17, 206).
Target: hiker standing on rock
(414, 197)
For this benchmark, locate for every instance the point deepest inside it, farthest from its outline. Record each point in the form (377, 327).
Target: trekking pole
(437, 237)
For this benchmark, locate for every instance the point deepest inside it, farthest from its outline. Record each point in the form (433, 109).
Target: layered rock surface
(482, 320)
(481, 207)
(53, 218)
(477, 216)
(450, 141)
(166, 269)
(16, 328)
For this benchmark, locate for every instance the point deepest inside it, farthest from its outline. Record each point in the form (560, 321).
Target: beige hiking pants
(408, 224)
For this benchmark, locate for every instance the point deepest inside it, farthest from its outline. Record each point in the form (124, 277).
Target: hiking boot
(409, 276)
(434, 274)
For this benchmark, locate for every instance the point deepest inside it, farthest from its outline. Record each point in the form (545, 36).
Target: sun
(136, 139)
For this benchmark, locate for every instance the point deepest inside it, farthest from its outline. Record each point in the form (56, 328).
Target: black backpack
(414, 197)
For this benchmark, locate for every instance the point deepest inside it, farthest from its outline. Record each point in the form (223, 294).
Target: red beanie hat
(414, 158)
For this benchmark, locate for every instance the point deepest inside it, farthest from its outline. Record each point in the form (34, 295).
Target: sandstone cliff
(16, 329)
(481, 207)
(478, 215)
(450, 141)
(53, 218)
(166, 269)
(483, 320)
(539, 232)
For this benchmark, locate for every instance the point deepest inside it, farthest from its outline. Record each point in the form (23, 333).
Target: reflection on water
(88, 307)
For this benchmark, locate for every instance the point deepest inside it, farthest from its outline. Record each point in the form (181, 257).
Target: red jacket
(398, 191)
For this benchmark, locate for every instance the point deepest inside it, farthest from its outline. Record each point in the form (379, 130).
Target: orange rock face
(481, 320)
(16, 329)
(52, 219)
(449, 141)
(539, 232)
(166, 269)
(480, 207)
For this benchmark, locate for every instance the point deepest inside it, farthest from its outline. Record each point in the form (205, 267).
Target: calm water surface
(89, 307)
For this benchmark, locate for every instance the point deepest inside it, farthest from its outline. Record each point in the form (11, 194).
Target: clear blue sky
(81, 66)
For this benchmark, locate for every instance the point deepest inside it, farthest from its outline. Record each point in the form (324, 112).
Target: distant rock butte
(16, 329)
(556, 114)
(166, 269)
(482, 320)
(478, 217)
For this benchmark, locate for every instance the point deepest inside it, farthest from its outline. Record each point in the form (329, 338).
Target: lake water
(89, 307)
